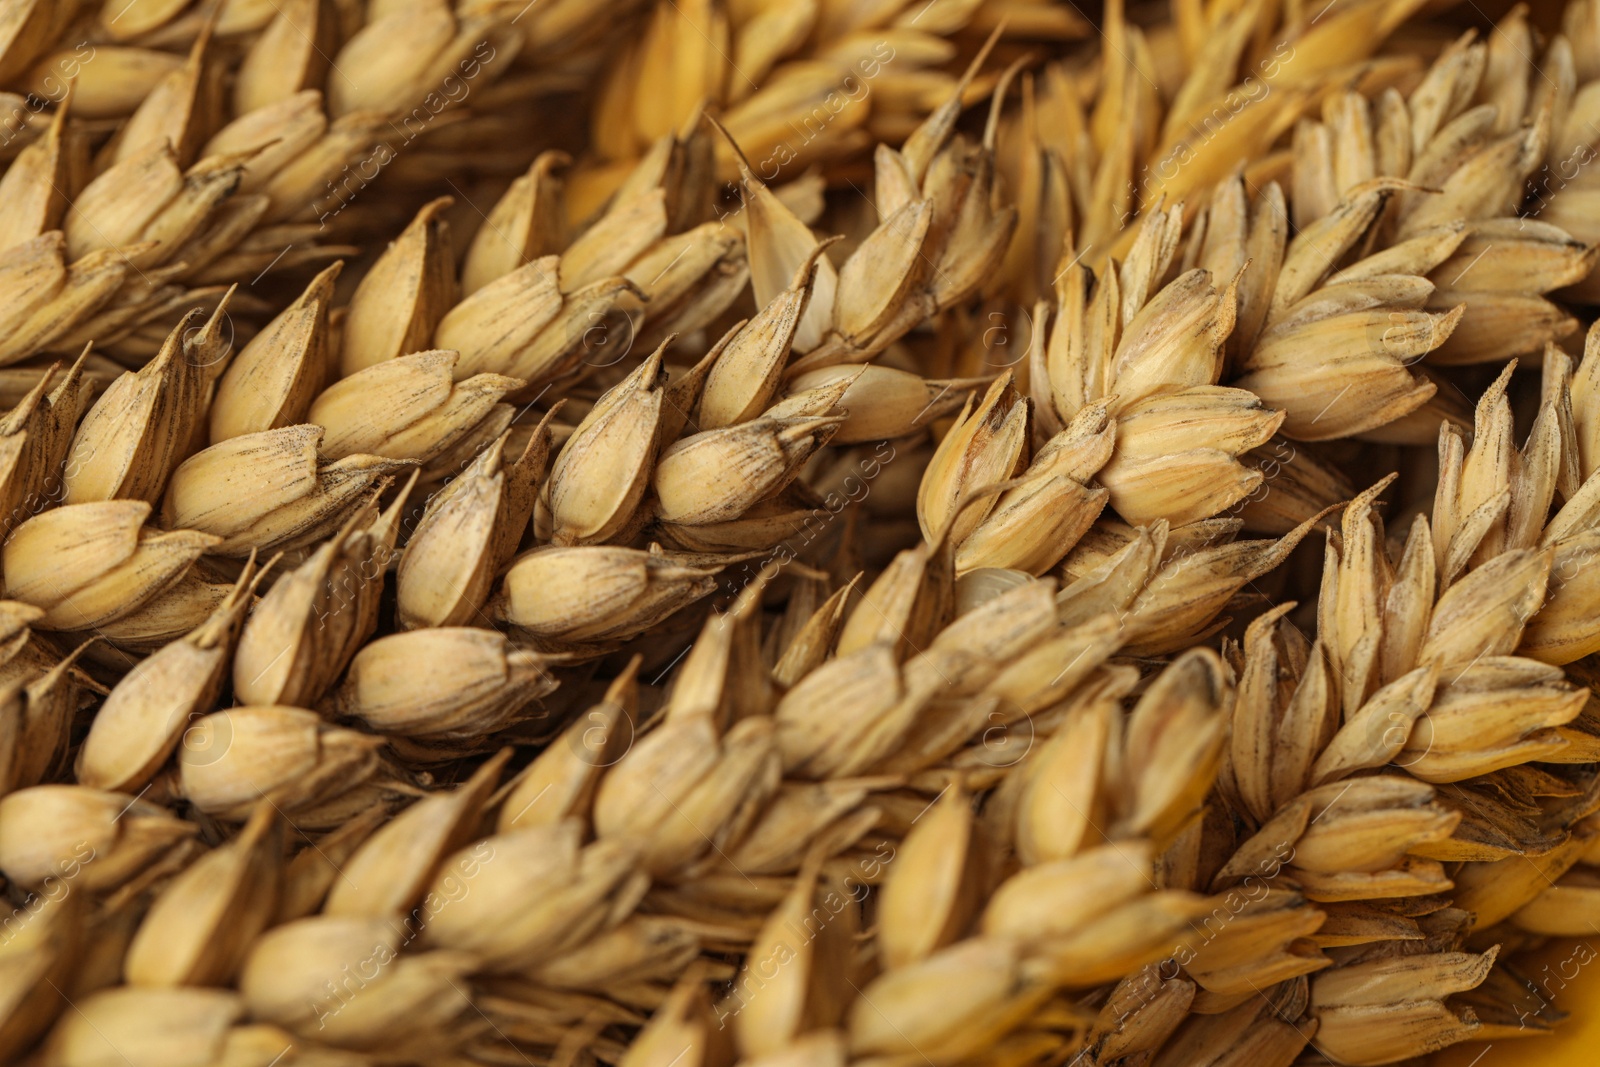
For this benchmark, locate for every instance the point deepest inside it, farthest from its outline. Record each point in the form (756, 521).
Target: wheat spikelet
(144, 716)
(468, 533)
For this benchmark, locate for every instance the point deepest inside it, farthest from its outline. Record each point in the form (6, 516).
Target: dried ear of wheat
(713, 532)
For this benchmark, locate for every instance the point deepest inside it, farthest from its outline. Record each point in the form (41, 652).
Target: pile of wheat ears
(796, 533)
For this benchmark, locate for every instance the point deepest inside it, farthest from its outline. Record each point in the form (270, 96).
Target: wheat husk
(283, 982)
(402, 298)
(285, 754)
(395, 685)
(467, 534)
(299, 501)
(300, 637)
(118, 564)
(198, 929)
(271, 382)
(52, 831)
(144, 717)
